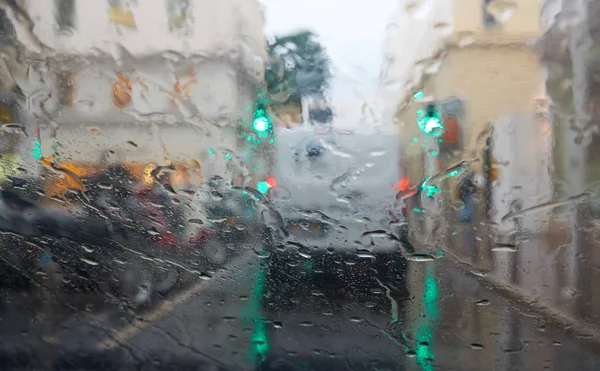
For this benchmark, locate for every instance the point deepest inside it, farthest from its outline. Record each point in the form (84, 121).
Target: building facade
(524, 80)
(570, 52)
(141, 81)
(478, 68)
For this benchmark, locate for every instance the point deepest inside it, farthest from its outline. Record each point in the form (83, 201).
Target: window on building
(7, 31)
(179, 13)
(67, 88)
(120, 13)
(489, 21)
(64, 13)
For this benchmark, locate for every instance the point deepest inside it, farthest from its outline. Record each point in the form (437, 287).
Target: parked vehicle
(36, 233)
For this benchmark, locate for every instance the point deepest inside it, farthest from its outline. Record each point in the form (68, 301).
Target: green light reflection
(37, 151)
(427, 324)
(309, 267)
(453, 173)
(259, 341)
(430, 190)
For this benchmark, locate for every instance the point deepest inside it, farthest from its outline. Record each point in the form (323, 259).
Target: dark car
(45, 232)
(146, 227)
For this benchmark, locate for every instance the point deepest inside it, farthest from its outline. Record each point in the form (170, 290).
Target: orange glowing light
(272, 182)
(402, 184)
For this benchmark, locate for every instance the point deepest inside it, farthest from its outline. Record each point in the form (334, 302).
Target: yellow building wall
(492, 82)
(495, 74)
(522, 17)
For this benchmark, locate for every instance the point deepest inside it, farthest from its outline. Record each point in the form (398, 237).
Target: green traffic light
(434, 127)
(37, 151)
(262, 187)
(430, 122)
(261, 124)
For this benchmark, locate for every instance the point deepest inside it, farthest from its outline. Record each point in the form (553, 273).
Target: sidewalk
(533, 275)
(560, 311)
(522, 298)
(530, 272)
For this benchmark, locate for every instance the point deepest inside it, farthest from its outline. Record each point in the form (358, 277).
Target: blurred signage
(452, 133)
(453, 110)
(122, 90)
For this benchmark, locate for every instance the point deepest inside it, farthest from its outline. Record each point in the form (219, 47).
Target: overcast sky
(353, 31)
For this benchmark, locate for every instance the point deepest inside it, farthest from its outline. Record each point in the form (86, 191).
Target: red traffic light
(272, 182)
(402, 184)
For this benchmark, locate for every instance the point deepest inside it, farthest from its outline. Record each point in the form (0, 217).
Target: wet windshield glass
(299, 184)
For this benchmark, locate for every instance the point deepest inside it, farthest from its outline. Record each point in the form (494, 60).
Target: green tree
(298, 66)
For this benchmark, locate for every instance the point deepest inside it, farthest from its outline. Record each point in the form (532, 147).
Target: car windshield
(299, 185)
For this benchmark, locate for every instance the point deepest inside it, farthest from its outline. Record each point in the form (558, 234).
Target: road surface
(452, 321)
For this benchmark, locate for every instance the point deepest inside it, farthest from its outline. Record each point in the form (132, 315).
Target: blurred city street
(300, 185)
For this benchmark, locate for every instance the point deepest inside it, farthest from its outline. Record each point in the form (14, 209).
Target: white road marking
(126, 333)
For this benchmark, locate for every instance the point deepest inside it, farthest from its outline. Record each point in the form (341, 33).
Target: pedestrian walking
(467, 213)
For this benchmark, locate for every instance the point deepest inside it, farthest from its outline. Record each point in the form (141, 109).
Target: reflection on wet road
(452, 321)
